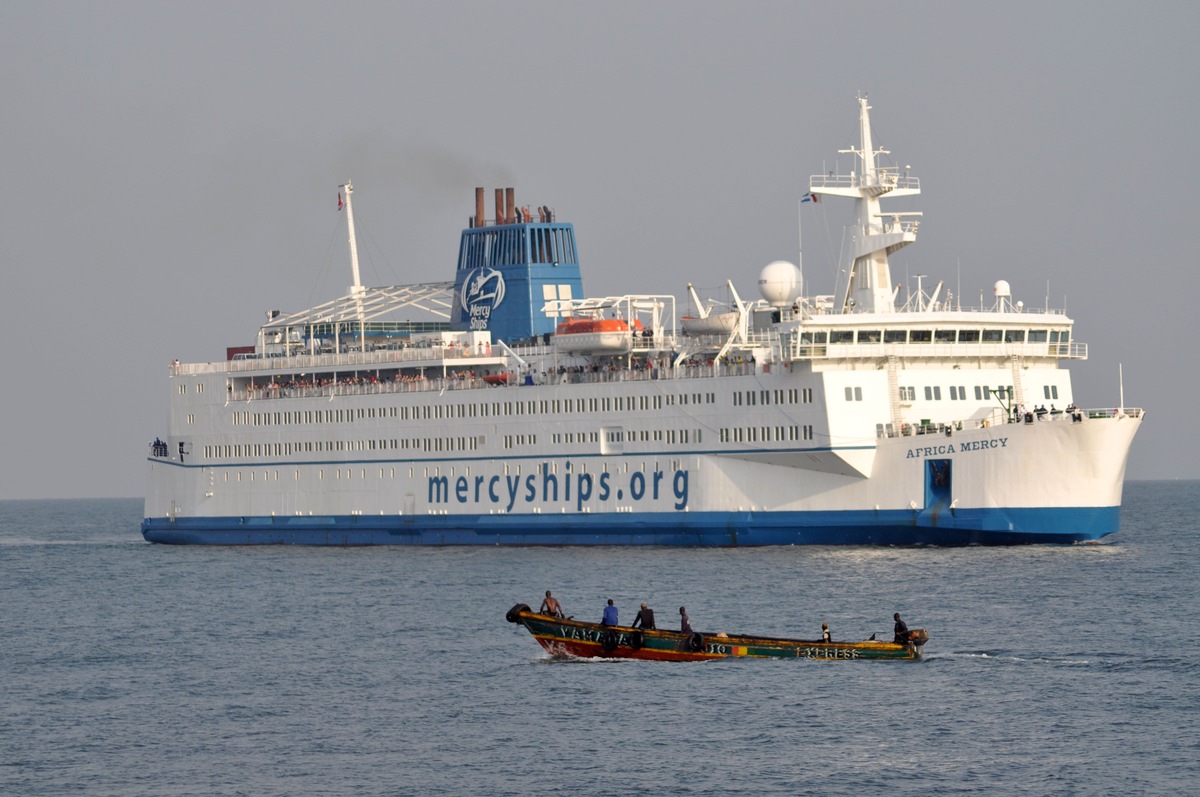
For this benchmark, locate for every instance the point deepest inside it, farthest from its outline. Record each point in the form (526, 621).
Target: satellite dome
(1002, 290)
(780, 283)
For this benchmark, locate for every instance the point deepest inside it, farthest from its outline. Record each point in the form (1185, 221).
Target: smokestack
(499, 205)
(512, 205)
(478, 207)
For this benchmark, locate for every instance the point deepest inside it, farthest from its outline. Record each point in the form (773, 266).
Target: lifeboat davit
(596, 335)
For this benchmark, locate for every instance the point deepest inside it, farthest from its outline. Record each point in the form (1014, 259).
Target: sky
(171, 172)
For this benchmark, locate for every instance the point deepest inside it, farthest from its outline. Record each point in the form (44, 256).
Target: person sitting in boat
(645, 617)
(610, 614)
(685, 625)
(900, 631)
(551, 606)
(825, 635)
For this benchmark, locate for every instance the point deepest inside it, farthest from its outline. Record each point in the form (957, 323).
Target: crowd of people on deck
(1020, 413)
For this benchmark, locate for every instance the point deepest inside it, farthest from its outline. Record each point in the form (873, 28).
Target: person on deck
(825, 635)
(610, 614)
(551, 606)
(900, 631)
(685, 625)
(645, 618)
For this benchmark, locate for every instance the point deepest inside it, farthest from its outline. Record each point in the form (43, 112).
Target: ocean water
(136, 669)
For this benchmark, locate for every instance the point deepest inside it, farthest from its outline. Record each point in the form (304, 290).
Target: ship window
(992, 336)
(841, 336)
(1014, 336)
(920, 336)
(968, 336)
(868, 336)
(945, 335)
(895, 336)
(1051, 391)
(1037, 335)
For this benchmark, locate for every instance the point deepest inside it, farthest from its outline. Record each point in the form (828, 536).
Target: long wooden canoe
(575, 638)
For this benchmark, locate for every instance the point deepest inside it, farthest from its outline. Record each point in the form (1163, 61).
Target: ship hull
(1047, 482)
(998, 526)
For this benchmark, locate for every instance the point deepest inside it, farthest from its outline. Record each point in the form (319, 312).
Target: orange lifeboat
(596, 335)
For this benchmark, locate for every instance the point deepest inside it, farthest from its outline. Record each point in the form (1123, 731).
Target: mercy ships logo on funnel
(482, 292)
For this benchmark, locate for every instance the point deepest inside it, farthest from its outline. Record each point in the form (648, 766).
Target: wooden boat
(575, 638)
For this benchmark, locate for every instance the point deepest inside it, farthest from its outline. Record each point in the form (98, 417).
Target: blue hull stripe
(692, 529)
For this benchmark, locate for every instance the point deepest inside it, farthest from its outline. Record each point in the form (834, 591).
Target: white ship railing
(1000, 417)
(945, 351)
(366, 387)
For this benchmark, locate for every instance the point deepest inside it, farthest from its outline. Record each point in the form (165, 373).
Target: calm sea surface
(135, 669)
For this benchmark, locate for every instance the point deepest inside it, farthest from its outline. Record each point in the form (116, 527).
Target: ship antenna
(356, 289)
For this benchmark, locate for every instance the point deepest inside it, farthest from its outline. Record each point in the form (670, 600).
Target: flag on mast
(810, 197)
(339, 200)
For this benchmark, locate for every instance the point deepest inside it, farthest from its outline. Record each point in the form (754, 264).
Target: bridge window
(895, 336)
(968, 336)
(945, 335)
(993, 335)
(920, 336)
(841, 336)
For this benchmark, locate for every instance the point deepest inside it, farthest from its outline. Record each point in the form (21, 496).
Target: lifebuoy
(513, 613)
(609, 640)
(695, 642)
(636, 640)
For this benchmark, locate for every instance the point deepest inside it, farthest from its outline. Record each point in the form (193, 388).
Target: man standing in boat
(685, 625)
(900, 631)
(610, 614)
(645, 618)
(551, 606)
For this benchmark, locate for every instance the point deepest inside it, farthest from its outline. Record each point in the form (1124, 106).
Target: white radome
(780, 283)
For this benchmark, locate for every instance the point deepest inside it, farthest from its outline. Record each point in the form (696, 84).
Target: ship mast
(876, 234)
(356, 290)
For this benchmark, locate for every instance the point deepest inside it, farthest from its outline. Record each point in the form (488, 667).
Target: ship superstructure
(532, 414)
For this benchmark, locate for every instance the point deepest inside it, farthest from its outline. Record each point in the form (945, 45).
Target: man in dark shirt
(901, 630)
(645, 618)
(685, 625)
(610, 614)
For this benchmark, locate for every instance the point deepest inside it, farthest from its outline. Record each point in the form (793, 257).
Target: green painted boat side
(564, 638)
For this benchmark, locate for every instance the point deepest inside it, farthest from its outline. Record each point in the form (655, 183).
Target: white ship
(868, 417)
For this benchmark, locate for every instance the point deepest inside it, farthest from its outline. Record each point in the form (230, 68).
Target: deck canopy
(369, 304)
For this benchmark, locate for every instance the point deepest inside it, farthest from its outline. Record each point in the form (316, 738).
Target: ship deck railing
(867, 351)
(1001, 417)
(471, 381)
